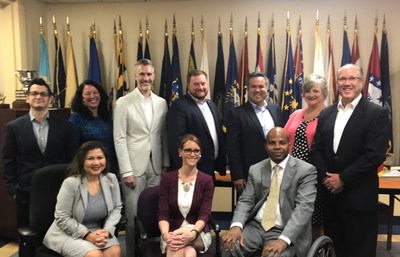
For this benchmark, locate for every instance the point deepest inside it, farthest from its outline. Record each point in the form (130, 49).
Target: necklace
(186, 186)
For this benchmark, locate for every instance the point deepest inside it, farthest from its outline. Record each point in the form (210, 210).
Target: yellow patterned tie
(269, 215)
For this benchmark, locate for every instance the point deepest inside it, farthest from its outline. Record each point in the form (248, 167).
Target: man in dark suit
(194, 114)
(247, 127)
(281, 227)
(349, 145)
(32, 141)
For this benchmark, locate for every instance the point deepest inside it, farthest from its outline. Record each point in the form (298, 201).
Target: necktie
(269, 215)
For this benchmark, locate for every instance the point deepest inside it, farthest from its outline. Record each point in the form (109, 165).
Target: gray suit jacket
(296, 199)
(135, 140)
(71, 207)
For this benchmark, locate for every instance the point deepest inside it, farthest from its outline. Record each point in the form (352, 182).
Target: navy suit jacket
(21, 155)
(185, 117)
(168, 208)
(361, 150)
(245, 140)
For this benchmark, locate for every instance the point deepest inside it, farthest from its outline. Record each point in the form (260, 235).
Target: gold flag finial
(317, 19)
(41, 25)
(147, 28)
(140, 29)
(55, 25)
(245, 27)
(219, 25)
(68, 27)
(329, 24)
(192, 32)
(356, 25)
(345, 21)
(287, 21)
(202, 24)
(299, 28)
(115, 28)
(231, 25)
(166, 29)
(272, 23)
(258, 23)
(376, 22)
(120, 23)
(174, 25)
(384, 23)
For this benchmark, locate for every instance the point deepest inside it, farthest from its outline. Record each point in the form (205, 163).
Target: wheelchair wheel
(322, 247)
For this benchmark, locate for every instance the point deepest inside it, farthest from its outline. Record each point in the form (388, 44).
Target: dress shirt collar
(33, 118)
(256, 107)
(351, 105)
(142, 98)
(282, 164)
(198, 101)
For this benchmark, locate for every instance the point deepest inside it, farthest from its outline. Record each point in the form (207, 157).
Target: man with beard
(194, 114)
(140, 142)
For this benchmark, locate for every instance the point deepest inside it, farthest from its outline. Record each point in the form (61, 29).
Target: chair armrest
(26, 233)
(214, 224)
(140, 228)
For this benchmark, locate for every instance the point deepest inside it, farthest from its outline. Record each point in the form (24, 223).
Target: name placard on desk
(394, 172)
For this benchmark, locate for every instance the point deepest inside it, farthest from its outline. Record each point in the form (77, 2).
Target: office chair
(46, 183)
(148, 233)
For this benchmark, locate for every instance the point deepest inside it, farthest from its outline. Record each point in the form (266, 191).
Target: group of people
(314, 175)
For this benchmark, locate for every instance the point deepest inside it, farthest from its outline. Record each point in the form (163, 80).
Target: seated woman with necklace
(185, 204)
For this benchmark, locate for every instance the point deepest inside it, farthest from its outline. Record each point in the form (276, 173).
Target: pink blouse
(295, 119)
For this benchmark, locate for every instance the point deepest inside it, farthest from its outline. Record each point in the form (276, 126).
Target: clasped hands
(179, 238)
(333, 183)
(99, 237)
(271, 249)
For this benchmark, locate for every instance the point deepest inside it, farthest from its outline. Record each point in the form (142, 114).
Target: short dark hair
(76, 169)
(39, 82)
(143, 62)
(257, 74)
(194, 73)
(78, 106)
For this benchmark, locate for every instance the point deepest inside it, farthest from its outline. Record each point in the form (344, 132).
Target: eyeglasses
(350, 79)
(190, 151)
(42, 94)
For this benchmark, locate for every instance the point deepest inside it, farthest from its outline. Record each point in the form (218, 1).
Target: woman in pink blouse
(301, 128)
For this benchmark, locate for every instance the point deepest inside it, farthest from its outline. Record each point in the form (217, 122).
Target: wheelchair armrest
(141, 230)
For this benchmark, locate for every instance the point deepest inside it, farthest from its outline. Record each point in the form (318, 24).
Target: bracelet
(197, 233)
(84, 237)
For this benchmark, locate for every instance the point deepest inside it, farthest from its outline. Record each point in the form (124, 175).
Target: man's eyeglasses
(350, 79)
(42, 94)
(190, 151)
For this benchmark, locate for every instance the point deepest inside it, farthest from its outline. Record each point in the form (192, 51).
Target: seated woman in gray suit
(185, 204)
(88, 207)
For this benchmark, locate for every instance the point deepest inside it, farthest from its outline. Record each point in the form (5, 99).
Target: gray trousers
(255, 237)
(131, 195)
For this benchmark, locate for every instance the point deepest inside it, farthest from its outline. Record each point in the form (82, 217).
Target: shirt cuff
(127, 174)
(237, 224)
(284, 238)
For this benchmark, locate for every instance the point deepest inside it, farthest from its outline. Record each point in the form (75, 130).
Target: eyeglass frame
(189, 151)
(351, 79)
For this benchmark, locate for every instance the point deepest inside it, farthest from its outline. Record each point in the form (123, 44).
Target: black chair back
(148, 210)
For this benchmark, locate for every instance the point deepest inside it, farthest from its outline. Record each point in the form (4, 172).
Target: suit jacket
(71, 207)
(296, 199)
(245, 140)
(361, 150)
(184, 116)
(21, 155)
(168, 208)
(135, 141)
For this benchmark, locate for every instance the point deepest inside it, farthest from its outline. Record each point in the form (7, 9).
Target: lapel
(266, 179)
(84, 196)
(136, 103)
(198, 113)
(28, 128)
(253, 117)
(106, 187)
(330, 125)
(354, 122)
(287, 179)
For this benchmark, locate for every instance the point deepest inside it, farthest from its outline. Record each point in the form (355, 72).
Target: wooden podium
(8, 220)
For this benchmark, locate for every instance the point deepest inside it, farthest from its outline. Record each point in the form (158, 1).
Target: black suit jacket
(184, 116)
(21, 154)
(361, 150)
(245, 138)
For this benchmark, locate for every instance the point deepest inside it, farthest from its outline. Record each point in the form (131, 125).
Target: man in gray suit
(289, 231)
(140, 142)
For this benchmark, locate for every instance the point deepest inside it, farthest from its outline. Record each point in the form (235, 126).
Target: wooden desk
(391, 187)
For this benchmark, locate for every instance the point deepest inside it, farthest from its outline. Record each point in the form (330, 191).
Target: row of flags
(229, 91)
